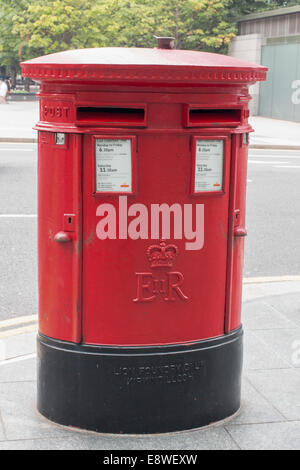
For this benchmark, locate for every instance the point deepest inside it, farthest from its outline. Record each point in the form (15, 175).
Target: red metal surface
(164, 169)
(154, 65)
(237, 224)
(145, 291)
(59, 260)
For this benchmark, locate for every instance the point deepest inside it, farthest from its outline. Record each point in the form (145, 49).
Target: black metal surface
(140, 389)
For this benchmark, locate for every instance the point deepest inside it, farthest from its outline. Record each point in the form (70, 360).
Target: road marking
(18, 149)
(265, 163)
(17, 143)
(20, 144)
(274, 156)
(18, 321)
(287, 166)
(17, 359)
(258, 280)
(11, 216)
(18, 331)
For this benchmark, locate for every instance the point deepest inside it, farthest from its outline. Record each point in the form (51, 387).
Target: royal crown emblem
(162, 255)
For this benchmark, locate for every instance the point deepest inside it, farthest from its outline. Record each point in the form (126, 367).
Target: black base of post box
(139, 390)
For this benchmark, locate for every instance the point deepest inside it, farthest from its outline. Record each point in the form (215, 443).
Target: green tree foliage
(195, 24)
(284, 3)
(29, 28)
(10, 43)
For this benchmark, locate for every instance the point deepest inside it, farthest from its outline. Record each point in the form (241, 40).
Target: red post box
(141, 225)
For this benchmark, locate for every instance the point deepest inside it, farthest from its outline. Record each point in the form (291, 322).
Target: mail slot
(106, 116)
(141, 228)
(211, 117)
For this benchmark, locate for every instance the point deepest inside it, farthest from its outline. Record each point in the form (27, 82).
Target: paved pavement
(274, 132)
(270, 413)
(17, 120)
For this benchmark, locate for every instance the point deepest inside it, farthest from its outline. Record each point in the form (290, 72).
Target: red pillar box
(141, 225)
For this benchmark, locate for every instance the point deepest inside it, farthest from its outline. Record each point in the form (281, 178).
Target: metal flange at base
(139, 390)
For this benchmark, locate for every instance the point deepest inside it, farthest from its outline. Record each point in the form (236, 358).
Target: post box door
(238, 232)
(59, 237)
(148, 291)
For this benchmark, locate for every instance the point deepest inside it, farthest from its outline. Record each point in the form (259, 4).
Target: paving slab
(285, 343)
(2, 434)
(21, 421)
(22, 371)
(255, 408)
(259, 356)
(19, 345)
(208, 439)
(68, 443)
(269, 436)
(288, 304)
(261, 315)
(212, 439)
(281, 388)
(270, 289)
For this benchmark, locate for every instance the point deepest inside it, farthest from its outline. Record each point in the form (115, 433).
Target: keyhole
(69, 220)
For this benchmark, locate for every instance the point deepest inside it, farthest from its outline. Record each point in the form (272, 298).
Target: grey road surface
(273, 214)
(18, 279)
(273, 222)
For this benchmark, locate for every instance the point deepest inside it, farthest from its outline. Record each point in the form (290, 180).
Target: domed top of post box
(115, 64)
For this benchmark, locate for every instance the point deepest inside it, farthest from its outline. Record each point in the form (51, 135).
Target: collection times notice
(113, 165)
(209, 165)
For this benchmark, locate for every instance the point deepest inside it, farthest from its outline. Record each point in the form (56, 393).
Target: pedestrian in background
(9, 86)
(3, 92)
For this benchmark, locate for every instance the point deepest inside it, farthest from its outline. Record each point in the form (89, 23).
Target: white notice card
(209, 165)
(113, 165)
